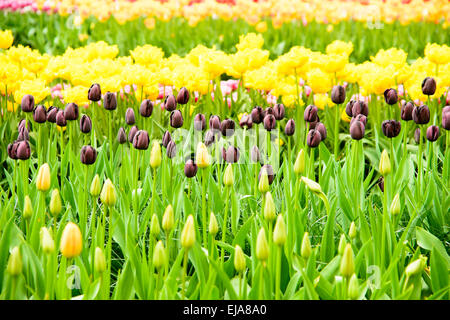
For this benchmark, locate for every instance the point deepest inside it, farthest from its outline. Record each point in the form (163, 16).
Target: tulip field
(224, 150)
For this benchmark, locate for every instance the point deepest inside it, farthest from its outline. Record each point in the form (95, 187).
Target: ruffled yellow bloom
(250, 41)
(322, 100)
(319, 81)
(438, 54)
(340, 48)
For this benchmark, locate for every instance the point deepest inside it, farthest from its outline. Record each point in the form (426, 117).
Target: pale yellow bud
(385, 163)
(269, 207)
(27, 208)
(188, 233)
(347, 264)
(262, 247)
(108, 195)
(299, 165)
(213, 226)
(43, 178)
(159, 255)
(228, 177)
(55, 203)
(239, 259)
(95, 186)
(155, 155)
(47, 243)
(202, 157)
(395, 205)
(306, 249)
(99, 260)
(168, 220)
(279, 232)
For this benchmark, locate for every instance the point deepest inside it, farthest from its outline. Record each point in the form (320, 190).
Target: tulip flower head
(43, 178)
(155, 155)
(71, 241)
(202, 157)
(188, 233)
(239, 259)
(108, 195)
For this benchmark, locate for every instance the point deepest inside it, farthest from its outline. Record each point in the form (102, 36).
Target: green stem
(204, 225)
(278, 274)
(336, 132)
(225, 223)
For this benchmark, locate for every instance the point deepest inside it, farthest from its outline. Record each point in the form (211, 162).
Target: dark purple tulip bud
(132, 133)
(199, 122)
(407, 110)
(146, 108)
(417, 135)
(338, 94)
(61, 119)
(313, 139)
(23, 151)
(390, 96)
(269, 110)
(23, 134)
(209, 138)
(246, 121)
(289, 130)
(381, 183)
(257, 115)
(12, 150)
(183, 96)
(121, 136)
(349, 108)
(40, 114)
(166, 139)
(421, 114)
(279, 111)
(71, 112)
(446, 118)
(24, 124)
(255, 155)
(214, 123)
(321, 128)
(391, 128)
(110, 101)
(85, 124)
(88, 155)
(141, 140)
(357, 130)
(269, 122)
(359, 117)
(170, 103)
(51, 114)
(176, 119)
(130, 119)
(312, 125)
(94, 92)
(27, 104)
(269, 171)
(432, 133)
(171, 149)
(360, 107)
(429, 86)
(230, 155)
(227, 127)
(310, 114)
(190, 169)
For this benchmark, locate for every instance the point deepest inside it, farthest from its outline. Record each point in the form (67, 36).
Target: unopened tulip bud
(353, 288)
(154, 226)
(14, 267)
(385, 163)
(166, 139)
(310, 114)
(381, 183)
(323, 131)
(227, 127)
(269, 207)
(176, 119)
(417, 136)
(95, 92)
(40, 114)
(199, 122)
(85, 124)
(188, 233)
(110, 101)
(262, 247)
(360, 117)
(213, 227)
(121, 136)
(88, 155)
(352, 231)
(429, 86)
(190, 169)
(239, 260)
(257, 115)
(289, 130)
(23, 150)
(246, 121)
(342, 244)
(269, 122)
(432, 133)
(27, 104)
(71, 241)
(141, 140)
(130, 119)
(51, 114)
(47, 243)
(146, 108)
(55, 203)
(71, 112)
(170, 103)
(279, 232)
(390, 96)
(421, 114)
(357, 130)
(202, 156)
(12, 150)
(214, 123)
(347, 267)
(263, 185)
(230, 155)
(416, 267)
(338, 94)
(171, 149)
(210, 138)
(360, 107)
(391, 128)
(60, 118)
(23, 134)
(406, 111)
(446, 118)
(99, 260)
(228, 178)
(306, 249)
(255, 155)
(183, 96)
(95, 186)
(43, 178)
(299, 165)
(132, 133)
(155, 155)
(27, 208)
(159, 255)
(108, 195)
(312, 185)
(348, 108)
(314, 138)
(168, 220)
(395, 205)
